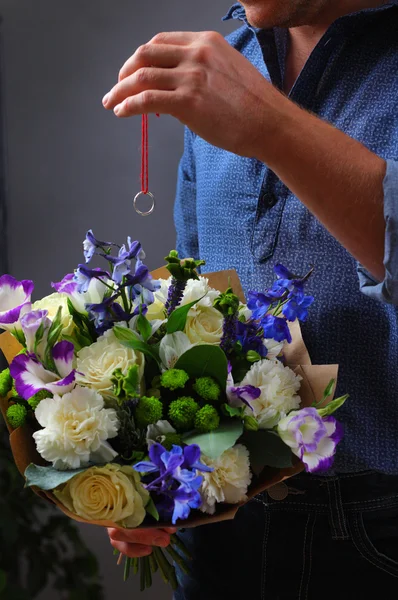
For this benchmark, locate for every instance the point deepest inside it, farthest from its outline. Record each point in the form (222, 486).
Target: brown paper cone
(315, 380)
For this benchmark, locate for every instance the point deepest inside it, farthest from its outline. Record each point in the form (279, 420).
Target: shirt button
(269, 200)
(279, 492)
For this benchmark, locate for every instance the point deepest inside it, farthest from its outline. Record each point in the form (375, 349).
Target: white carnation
(76, 427)
(52, 303)
(279, 386)
(196, 288)
(96, 363)
(229, 480)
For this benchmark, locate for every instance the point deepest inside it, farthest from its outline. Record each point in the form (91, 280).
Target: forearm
(337, 178)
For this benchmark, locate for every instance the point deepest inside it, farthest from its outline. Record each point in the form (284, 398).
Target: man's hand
(138, 542)
(205, 83)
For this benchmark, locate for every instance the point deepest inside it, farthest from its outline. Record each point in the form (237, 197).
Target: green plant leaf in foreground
(48, 478)
(178, 318)
(267, 450)
(130, 340)
(205, 361)
(332, 406)
(216, 442)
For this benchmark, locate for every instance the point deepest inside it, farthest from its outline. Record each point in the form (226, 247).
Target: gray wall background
(73, 166)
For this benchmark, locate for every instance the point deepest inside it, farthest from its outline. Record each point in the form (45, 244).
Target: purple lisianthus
(242, 395)
(173, 479)
(68, 285)
(15, 300)
(312, 438)
(91, 244)
(276, 328)
(31, 322)
(31, 377)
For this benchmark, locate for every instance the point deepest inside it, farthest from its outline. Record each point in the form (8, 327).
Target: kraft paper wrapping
(315, 380)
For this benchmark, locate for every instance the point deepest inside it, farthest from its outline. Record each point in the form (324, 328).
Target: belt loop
(336, 510)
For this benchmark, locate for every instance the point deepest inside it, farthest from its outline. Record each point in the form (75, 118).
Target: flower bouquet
(145, 400)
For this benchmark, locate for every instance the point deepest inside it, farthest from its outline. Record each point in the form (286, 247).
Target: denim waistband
(357, 491)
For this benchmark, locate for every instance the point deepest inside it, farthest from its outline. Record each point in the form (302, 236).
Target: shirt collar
(238, 12)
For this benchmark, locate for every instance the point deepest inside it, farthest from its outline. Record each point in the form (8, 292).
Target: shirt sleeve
(185, 216)
(387, 290)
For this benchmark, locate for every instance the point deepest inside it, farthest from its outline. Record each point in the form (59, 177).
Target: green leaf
(55, 329)
(332, 406)
(205, 361)
(48, 478)
(266, 450)
(216, 442)
(131, 382)
(144, 327)
(178, 318)
(72, 340)
(232, 411)
(38, 337)
(152, 510)
(130, 340)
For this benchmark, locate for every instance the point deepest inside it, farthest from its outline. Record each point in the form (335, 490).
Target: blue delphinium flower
(259, 304)
(297, 307)
(141, 284)
(122, 262)
(176, 484)
(91, 244)
(276, 328)
(83, 276)
(251, 337)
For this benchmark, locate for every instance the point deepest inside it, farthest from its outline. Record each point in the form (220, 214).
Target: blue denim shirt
(235, 213)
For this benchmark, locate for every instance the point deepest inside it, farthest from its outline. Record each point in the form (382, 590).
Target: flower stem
(178, 559)
(142, 574)
(127, 567)
(175, 540)
(136, 565)
(153, 564)
(165, 566)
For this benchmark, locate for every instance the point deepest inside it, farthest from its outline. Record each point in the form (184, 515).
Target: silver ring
(152, 208)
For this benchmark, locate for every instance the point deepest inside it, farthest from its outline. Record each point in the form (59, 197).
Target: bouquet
(144, 400)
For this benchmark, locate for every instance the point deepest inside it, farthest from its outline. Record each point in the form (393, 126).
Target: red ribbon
(144, 156)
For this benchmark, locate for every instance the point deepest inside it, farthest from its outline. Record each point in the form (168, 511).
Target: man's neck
(302, 40)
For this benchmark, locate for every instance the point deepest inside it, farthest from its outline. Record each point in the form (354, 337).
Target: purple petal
(68, 285)
(63, 353)
(14, 298)
(155, 454)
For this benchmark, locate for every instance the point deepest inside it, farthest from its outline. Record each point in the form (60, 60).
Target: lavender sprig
(228, 304)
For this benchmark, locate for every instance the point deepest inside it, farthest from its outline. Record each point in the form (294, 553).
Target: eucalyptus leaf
(233, 411)
(216, 442)
(267, 450)
(48, 478)
(152, 510)
(332, 406)
(178, 318)
(205, 361)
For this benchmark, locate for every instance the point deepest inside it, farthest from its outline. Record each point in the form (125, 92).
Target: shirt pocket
(268, 219)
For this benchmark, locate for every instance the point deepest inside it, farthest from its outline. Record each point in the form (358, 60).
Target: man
(291, 155)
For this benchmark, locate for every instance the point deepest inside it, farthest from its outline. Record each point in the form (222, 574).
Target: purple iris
(173, 479)
(122, 262)
(251, 337)
(91, 244)
(276, 328)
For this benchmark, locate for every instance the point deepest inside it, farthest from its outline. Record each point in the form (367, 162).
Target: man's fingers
(145, 537)
(132, 550)
(177, 38)
(152, 55)
(149, 101)
(147, 78)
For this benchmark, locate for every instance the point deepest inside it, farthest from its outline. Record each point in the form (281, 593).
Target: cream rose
(156, 310)
(229, 480)
(96, 363)
(204, 325)
(110, 493)
(51, 304)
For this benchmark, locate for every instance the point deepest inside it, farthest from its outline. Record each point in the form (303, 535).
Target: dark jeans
(332, 538)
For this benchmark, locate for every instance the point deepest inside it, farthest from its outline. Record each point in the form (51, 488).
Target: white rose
(204, 325)
(51, 304)
(279, 386)
(110, 493)
(229, 480)
(96, 363)
(76, 427)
